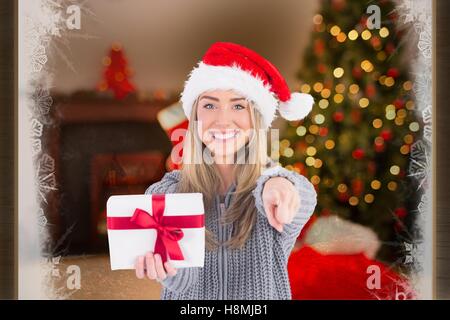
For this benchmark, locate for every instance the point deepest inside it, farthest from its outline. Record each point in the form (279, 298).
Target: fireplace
(99, 150)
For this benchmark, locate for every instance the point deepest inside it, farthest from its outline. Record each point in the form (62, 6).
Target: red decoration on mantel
(116, 73)
(175, 123)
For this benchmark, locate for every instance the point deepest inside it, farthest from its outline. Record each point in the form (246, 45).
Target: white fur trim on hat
(207, 77)
(298, 106)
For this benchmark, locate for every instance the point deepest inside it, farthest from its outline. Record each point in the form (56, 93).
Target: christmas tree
(355, 144)
(116, 73)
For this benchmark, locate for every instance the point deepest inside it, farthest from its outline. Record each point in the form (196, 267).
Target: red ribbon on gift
(168, 227)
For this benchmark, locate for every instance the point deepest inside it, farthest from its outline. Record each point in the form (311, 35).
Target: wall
(165, 39)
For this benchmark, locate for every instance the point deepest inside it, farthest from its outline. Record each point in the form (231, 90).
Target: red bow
(168, 227)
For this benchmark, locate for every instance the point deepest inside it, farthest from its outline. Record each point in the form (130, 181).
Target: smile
(222, 136)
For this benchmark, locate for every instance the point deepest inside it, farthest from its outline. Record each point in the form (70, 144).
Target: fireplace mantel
(77, 112)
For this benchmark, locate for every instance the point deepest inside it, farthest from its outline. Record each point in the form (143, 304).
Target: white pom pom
(334, 235)
(298, 107)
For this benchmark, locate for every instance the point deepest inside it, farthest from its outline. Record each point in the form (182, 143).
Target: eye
(239, 107)
(208, 106)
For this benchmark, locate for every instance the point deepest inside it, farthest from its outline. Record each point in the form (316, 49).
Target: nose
(224, 117)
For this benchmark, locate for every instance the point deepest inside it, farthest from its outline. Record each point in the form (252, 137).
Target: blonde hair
(202, 176)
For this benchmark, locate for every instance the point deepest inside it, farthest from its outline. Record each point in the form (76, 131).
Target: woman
(253, 214)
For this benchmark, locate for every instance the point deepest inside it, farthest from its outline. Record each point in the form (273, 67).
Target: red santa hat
(227, 65)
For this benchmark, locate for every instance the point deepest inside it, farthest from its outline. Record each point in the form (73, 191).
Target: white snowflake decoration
(36, 146)
(46, 180)
(36, 128)
(425, 43)
(422, 89)
(418, 15)
(42, 219)
(420, 164)
(42, 101)
(427, 115)
(423, 206)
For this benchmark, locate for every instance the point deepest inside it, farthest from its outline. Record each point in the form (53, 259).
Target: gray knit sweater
(256, 271)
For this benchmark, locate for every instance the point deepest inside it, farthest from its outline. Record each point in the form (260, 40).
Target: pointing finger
(271, 209)
(283, 214)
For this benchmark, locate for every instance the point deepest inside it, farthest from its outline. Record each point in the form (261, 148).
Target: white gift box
(127, 244)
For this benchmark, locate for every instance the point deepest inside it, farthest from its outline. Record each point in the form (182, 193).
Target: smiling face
(225, 122)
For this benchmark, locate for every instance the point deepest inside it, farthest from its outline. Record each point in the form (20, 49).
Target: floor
(99, 282)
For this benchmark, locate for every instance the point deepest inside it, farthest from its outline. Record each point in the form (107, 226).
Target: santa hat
(227, 65)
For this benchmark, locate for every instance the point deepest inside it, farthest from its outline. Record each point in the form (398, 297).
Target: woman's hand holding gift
(151, 266)
(281, 201)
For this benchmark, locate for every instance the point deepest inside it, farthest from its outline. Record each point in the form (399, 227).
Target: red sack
(338, 276)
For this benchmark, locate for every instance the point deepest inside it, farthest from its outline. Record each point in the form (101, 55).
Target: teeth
(222, 136)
